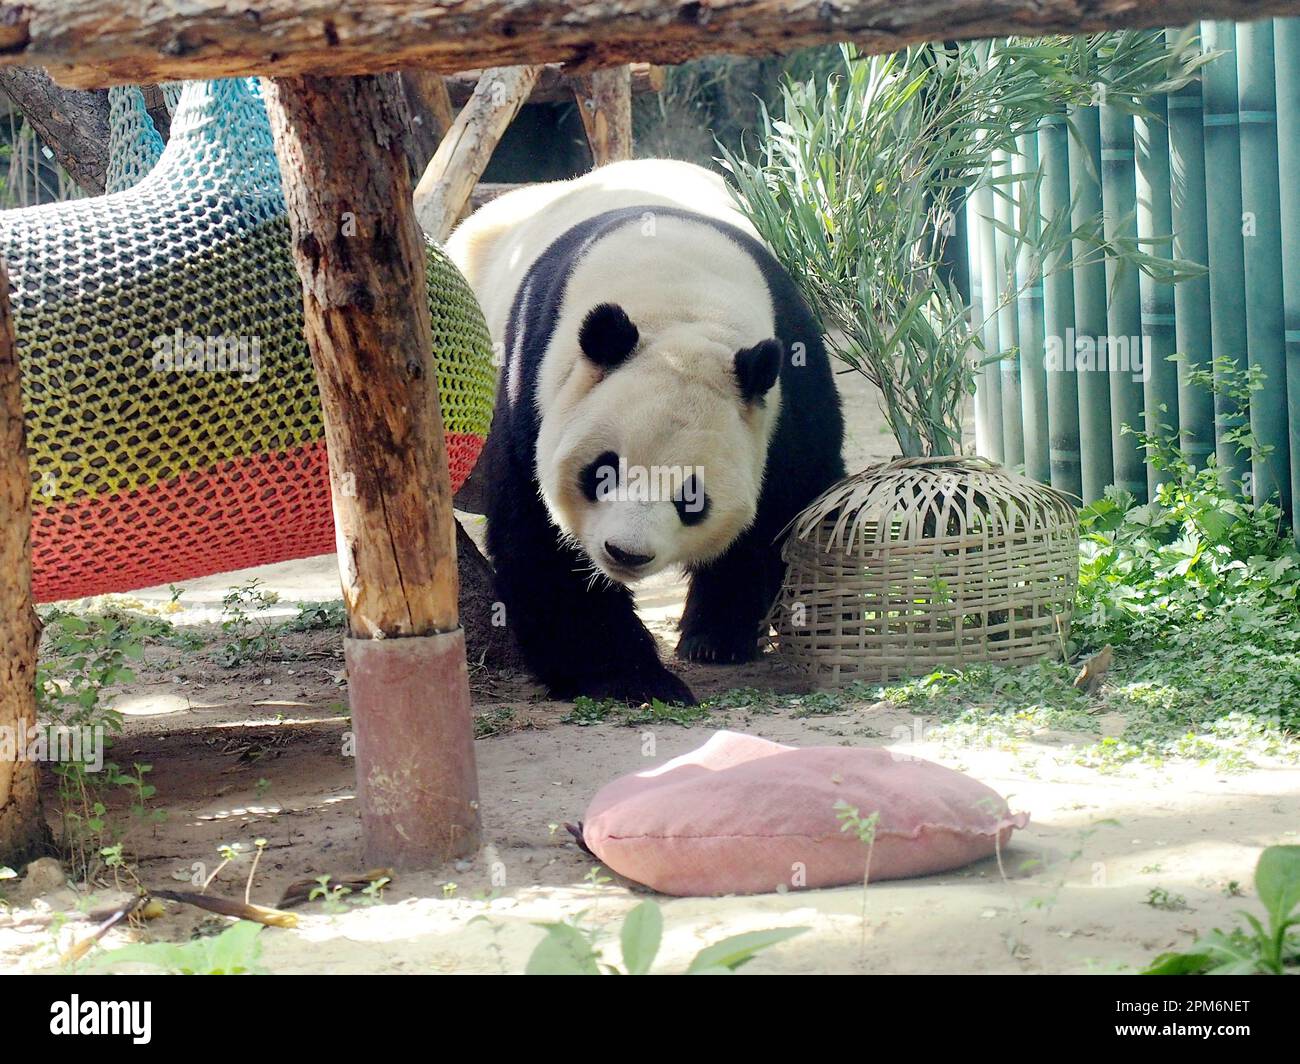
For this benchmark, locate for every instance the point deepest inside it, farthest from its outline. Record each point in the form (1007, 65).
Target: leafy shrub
(1257, 950)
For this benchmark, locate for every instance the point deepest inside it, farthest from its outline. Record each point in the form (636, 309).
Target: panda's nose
(627, 558)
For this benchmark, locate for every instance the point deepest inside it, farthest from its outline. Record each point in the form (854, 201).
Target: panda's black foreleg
(583, 638)
(728, 601)
(579, 635)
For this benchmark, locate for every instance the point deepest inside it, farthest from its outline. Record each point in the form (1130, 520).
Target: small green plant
(820, 704)
(235, 951)
(569, 948)
(252, 636)
(493, 722)
(317, 616)
(82, 659)
(864, 829)
(1272, 949)
(588, 711)
(657, 712)
(373, 892)
(141, 792)
(333, 897)
(748, 699)
(1160, 898)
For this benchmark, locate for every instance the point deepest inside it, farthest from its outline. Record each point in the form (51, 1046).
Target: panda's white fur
(696, 298)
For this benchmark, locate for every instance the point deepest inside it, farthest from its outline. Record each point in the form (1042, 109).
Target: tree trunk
(22, 830)
(73, 124)
(465, 151)
(136, 41)
(347, 184)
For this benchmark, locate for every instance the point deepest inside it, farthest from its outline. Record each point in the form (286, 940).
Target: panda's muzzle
(626, 559)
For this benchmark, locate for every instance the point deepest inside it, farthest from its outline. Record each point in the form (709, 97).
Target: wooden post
(465, 151)
(432, 114)
(605, 103)
(347, 183)
(22, 831)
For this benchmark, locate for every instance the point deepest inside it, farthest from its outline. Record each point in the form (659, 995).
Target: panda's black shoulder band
(607, 335)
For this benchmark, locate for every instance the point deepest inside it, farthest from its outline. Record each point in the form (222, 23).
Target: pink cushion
(742, 815)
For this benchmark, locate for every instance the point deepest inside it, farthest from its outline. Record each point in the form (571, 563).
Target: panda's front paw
(717, 648)
(638, 687)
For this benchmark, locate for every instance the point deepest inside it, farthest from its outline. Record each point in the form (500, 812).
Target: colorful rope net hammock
(173, 421)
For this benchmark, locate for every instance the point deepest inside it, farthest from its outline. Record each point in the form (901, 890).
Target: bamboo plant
(856, 185)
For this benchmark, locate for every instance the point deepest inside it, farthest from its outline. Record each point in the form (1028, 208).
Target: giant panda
(664, 400)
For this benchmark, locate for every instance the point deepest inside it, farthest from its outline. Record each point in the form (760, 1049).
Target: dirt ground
(258, 751)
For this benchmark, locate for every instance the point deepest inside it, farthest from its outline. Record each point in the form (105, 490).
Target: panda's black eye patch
(692, 502)
(600, 477)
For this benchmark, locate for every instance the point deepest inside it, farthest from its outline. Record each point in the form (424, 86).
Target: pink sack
(742, 815)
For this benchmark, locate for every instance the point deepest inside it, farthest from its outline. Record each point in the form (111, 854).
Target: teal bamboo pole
(1286, 49)
(1096, 462)
(1262, 237)
(955, 262)
(1029, 319)
(991, 375)
(1004, 209)
(1227, 257)
(1058, 313)
(976, 302)
(1154, 225)
(1124, 347)
(1191, 242)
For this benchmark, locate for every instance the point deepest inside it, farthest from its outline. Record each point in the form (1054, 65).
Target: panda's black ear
(607, 335)
(757, 368)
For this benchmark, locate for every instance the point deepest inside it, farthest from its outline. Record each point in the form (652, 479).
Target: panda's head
(651, 449)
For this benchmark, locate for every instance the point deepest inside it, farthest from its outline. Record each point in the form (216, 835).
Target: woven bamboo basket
(927, 563)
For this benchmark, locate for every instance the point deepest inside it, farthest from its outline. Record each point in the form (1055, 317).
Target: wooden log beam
(107, 42)
(554, 83)
(73, 124)
(463, 155)
(358, 250)
(486, 192)
(604, 100)
(22, 830)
